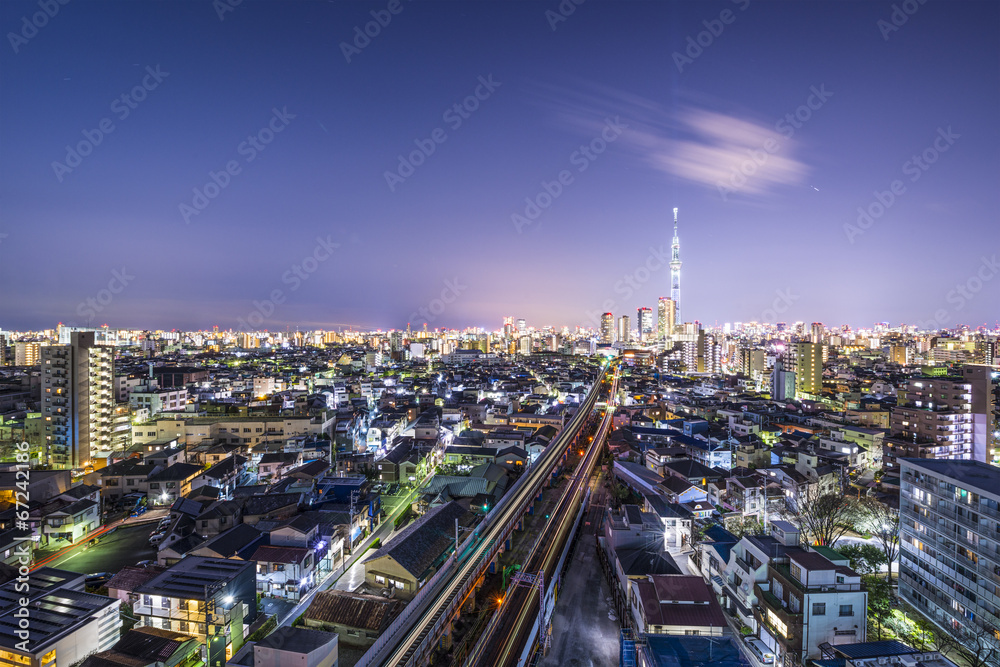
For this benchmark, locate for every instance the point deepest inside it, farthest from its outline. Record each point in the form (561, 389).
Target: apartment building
(949, 561)
(202, 597)
(933, 420)
(232, 430)
(810, 599)
(66, 623)
(78, 400)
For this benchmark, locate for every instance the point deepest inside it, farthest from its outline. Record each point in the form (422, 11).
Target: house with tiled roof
(675, 604)
(417, 552)
(358, 619)
(122, 586)
(149, 647)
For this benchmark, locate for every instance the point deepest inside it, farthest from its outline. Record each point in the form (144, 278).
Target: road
(583, 633)
(43, 559)
(504, 640)
(402, 640)
(127, 545)
(351, 574)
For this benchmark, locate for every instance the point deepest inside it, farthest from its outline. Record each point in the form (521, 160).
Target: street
(354, 576)
(127, 545)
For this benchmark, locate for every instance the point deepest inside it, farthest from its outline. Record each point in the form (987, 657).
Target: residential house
(169, 484)
(358, 619)
(66, 624)
(199, 596)
(675, 604)
(812, 599)
(301, 647)
(284, 572)
(417, 552)
(149, 647)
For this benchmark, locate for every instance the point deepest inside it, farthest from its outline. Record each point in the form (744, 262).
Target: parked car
(759, 649)
(98, 578)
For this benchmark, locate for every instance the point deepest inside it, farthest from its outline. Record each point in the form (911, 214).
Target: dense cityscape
(496, 334)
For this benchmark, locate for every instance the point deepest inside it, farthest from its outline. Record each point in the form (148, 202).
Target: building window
(819, 609)
(847, 610)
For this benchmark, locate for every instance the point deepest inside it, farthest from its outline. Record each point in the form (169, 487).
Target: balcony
(744, 565)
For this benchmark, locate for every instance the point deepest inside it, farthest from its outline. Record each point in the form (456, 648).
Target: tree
(824, 518)
(879, 602)
(973, 649)
(865, 558)
(744, 525)
(882, 522)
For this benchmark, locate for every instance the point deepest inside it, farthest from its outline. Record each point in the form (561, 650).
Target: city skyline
(367, 179)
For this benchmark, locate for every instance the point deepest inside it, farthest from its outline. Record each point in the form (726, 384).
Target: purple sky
(373, 250)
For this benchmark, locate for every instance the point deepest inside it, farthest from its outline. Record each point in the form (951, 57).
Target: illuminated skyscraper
(675, 271)
(644, 323)
(607, 328)
(78, 400)
(624, 332)
(667, 318)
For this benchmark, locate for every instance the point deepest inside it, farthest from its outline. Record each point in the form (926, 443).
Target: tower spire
(675, 272)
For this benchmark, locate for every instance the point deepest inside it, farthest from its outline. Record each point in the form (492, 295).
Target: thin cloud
(689, 141)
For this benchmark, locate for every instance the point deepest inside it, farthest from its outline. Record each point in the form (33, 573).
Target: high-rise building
(675, 270)
(624, 332)
(522, 326)
(26, 354)
(78, 400)
(982, 382)
(4, 353)
(607, 328)
(782, 382)
(932, 420)
(817, 332)
(644, 323)
(508, 327)
(666, 318)
(949, 523)
(806, 360)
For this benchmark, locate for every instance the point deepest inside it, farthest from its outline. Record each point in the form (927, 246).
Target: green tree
(880, 600)
(865, 558)
(882, 522)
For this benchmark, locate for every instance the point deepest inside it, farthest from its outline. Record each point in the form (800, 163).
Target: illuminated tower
(607, 328)
(675, 272)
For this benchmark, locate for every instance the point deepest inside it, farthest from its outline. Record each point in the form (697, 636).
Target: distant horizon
(340, 328)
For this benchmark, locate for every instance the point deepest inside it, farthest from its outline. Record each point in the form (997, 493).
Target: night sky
(605, 119)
